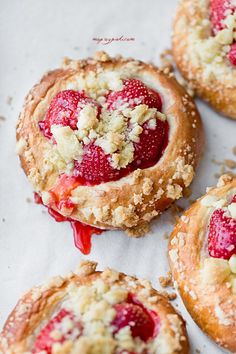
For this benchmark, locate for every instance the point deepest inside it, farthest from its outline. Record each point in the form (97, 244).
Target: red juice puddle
(82, 233)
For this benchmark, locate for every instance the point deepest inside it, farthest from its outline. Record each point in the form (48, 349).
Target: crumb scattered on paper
(9, 100)
(166, 235)
(230, 163)
(226, 167)
(187, 192)
(166, 281)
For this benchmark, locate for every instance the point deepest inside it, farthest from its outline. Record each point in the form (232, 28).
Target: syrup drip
(82, 233)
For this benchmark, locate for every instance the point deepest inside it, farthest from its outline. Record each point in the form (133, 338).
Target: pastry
(91, 312)
(204, 49)
(107, 142)
(202, 254)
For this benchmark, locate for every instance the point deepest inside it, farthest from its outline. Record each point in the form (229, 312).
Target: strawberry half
(149, 147)
(232, 54)
(222, 235)
(133, 93)
(143, 323)
(151, 144)
(44, 341)
(95, 166)
(64, 110)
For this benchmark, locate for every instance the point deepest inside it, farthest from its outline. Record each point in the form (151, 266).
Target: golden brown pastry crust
(213, 85)
(132, 201)
(211, 304)
(38, 304)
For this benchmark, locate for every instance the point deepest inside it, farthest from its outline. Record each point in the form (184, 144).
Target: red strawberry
(234, 199)
(44, 341)
(64, 110)
(134, 315)
(150, 146)
(134, 93)
(218, 10)
(222, 235)
(232, 54)
(95, 166)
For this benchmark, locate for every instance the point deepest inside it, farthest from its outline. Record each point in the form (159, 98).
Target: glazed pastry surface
(202, 255)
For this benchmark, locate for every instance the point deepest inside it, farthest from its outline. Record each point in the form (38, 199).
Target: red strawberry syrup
(82, 233)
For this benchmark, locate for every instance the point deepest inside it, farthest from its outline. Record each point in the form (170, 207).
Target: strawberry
(133, 93)
(95, 166)
(232, 54)
(218, 10)
(64, 110)
(221, 235)
(44, 341)
(150, 146)
(233, 199)
(134, 315)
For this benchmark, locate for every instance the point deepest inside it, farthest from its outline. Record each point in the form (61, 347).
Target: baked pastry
(109, 142)
(202, 254)
(204, 48)
(91, 312)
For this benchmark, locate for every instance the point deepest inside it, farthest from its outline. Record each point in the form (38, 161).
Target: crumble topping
(20, 146)
(174, 191)
(214, 271)
(224, 319)
(115, 131)
(68, 145)
(183, 171)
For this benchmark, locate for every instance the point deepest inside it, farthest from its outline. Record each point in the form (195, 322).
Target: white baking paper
(34, 37)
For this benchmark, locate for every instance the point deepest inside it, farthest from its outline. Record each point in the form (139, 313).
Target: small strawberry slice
(141, 322)
(218, 10)
(222, 235)
(95, 166)
(45, 341)
(133, 93)
(151, 144)
(232, 54)
(64, 110)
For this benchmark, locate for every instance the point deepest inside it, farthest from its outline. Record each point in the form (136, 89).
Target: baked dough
(206, 284)
(132, 201)
(91, 296)
(201, 57)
